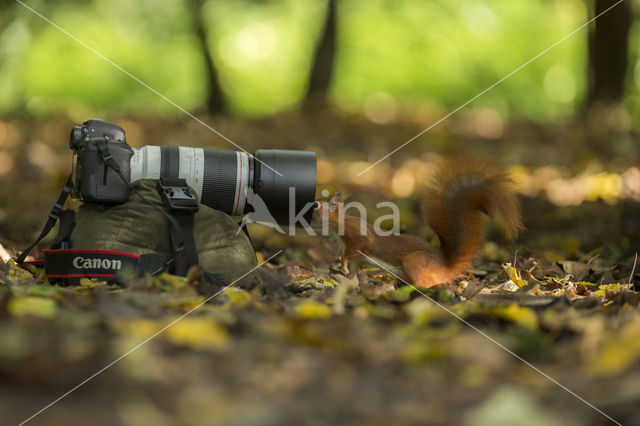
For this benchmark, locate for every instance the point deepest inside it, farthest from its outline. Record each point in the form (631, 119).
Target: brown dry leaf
(581, 289)
(473, 287)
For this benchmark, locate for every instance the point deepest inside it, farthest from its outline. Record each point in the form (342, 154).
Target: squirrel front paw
(344, 267)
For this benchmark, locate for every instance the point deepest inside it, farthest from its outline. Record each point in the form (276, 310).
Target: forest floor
(544, 331)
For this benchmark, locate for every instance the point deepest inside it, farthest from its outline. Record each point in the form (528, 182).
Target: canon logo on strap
(88, 263)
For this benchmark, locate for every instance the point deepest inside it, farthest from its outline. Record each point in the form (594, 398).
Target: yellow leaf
(309, 309)
(237, 297)
(520, 315)
(194, 332)
(513, 274)
(16, 273)
(618, 351)
(168, 282)
(602, 291)
(422, 311)
(33, 306)
(91, 282)
(185, 303)
(198, 333)
(140, 328)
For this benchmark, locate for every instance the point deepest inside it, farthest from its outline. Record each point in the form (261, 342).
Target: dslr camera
(221, 179)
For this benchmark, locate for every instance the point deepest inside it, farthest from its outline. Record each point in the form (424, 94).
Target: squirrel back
(461, 191)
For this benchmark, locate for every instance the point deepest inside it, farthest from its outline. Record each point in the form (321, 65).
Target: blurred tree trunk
(322, 67)
(608, 52)
(214, 101)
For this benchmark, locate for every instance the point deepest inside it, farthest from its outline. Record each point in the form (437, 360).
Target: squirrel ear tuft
(336, 198)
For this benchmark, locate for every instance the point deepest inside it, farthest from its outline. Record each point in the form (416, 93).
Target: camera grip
(99, 183)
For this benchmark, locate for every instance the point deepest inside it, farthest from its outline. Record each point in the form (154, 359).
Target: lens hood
(279, 172)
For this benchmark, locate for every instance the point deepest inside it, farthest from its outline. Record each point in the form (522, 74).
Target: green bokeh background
(404, 55)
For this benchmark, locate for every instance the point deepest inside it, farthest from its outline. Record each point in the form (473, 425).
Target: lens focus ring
(219, 183)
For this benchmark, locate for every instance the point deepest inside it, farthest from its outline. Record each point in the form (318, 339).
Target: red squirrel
(462, 190)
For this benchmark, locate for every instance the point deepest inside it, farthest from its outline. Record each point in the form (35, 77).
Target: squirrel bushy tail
(461, 191)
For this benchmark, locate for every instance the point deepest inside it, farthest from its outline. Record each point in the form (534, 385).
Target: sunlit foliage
(393, 58)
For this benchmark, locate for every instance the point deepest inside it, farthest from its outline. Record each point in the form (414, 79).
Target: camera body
(94, 180)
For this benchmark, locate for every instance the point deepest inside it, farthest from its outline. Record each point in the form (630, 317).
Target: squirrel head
(330, 206)
(335, 201)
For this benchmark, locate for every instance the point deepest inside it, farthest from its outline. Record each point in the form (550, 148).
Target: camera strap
(103, 149)
(55, 213)
(69, 265)
(67, 224)
(182, 209)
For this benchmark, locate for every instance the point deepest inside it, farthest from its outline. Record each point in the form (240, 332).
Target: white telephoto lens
(192, 168)
(146, 163)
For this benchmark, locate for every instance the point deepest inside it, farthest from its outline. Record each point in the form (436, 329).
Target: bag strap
(67, 223)
(243, 226)
(51, 221)
(182, 207)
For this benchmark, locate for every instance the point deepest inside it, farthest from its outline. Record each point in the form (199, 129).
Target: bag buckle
(177, 196)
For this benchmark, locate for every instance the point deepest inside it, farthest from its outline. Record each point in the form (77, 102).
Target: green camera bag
(138, 228)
